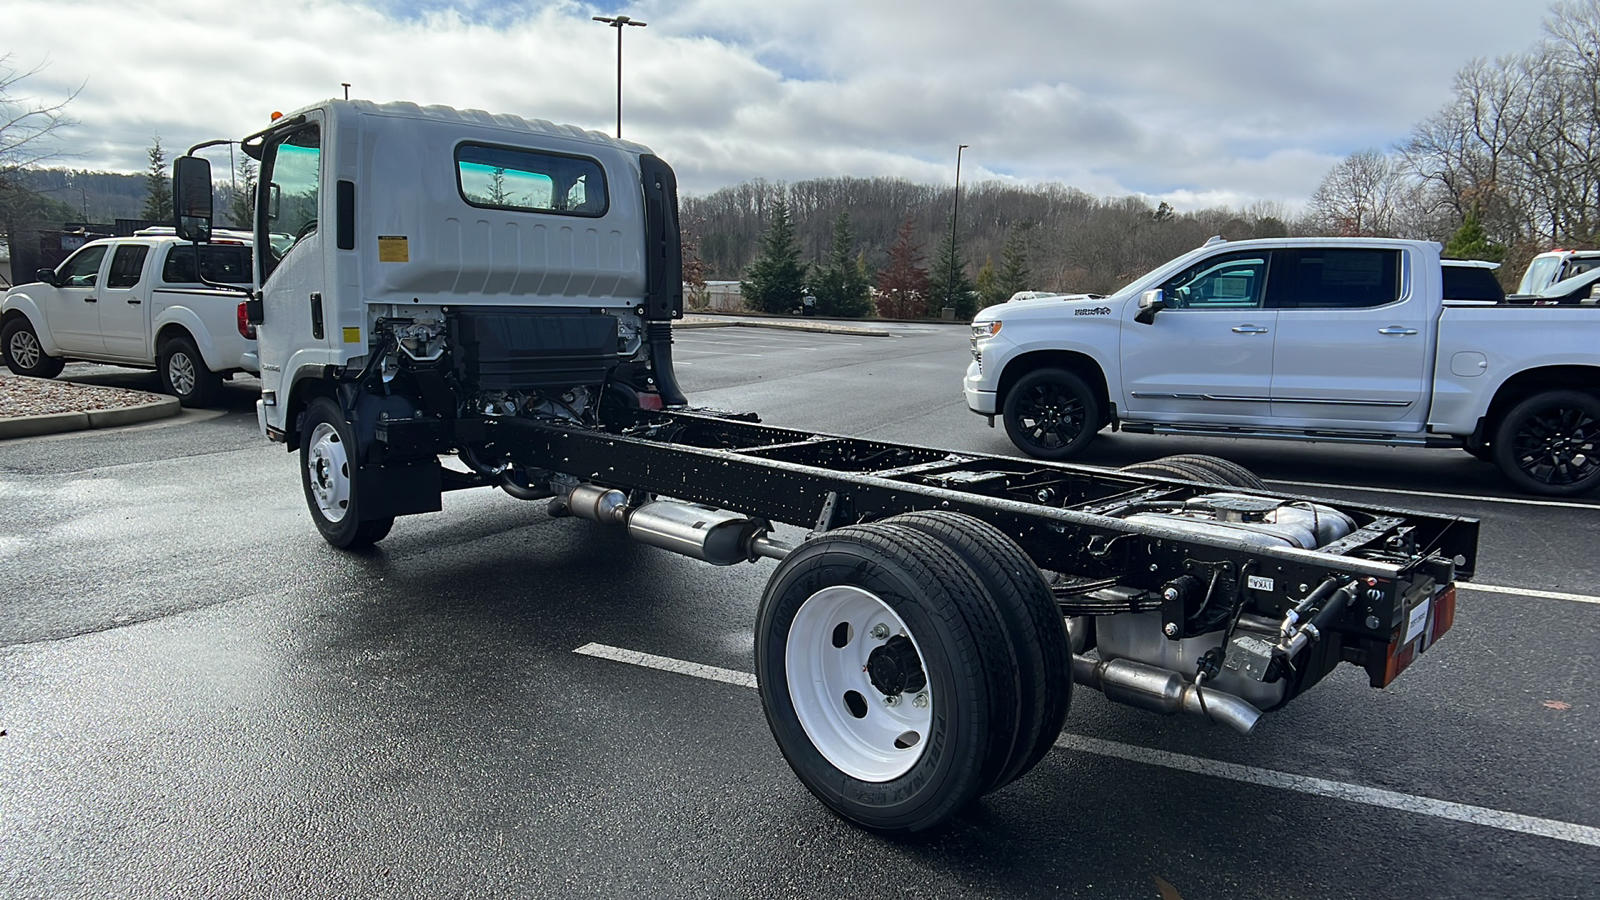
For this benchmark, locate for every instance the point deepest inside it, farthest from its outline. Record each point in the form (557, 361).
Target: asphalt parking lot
(200, 699)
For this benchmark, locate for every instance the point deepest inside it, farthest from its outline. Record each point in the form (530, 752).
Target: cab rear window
(225, 263)
(530, 181)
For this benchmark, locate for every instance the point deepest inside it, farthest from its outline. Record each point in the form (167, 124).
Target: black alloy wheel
(1549, 444)
(1051, 414)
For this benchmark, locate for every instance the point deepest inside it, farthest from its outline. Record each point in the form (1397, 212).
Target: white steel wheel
(856, 678)
(885, 676)
(328, 472)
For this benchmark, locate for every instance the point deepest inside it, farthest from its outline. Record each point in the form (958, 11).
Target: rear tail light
(246, 330)
(1424, 623)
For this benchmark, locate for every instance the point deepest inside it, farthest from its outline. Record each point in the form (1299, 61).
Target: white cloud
(1231, 101)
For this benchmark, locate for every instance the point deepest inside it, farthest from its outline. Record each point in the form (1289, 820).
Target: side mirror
(191, 198)
(1150, 303)
(48, 276)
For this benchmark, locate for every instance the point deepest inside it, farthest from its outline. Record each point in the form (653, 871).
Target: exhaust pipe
(1163, 691)
(711, 535)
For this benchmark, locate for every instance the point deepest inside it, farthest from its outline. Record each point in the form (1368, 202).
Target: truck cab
(526, 269)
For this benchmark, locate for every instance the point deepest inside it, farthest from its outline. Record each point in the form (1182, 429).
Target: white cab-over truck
(485, 301)
(137, 301)
(1335, 340)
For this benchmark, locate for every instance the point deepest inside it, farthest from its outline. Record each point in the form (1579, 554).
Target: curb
(56, 423)
(817, 327)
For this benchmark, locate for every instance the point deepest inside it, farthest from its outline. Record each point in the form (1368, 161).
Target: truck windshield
(291, 171)
(1541, 272)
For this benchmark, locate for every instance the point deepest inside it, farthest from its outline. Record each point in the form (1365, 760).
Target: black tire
(184, 374)
(1549, 444)
(24, 355)
(811, 622)
(1033, 623)
(1218, 470)
(1052, 414)
(1159, 468)
(328, 459)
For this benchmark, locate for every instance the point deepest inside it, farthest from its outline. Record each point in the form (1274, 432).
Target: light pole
(951, 284)
(619, 23)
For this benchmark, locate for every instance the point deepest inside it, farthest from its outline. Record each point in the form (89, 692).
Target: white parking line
(1526, 592)
(1338, 790)
(1319, 787)
(668, 664)
(1517, 501)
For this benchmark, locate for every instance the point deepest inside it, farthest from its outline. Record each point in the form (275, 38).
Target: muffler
(1163, 691)
(715, 536)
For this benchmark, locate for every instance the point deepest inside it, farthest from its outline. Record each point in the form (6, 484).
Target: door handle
(91, 299)
(1396, 329)
(135, 302)
(1249, 329)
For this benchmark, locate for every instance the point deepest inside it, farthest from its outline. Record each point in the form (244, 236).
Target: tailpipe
(711, 535)
(1163, 691)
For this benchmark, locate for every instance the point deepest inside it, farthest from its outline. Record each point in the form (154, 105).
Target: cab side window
(1230, 281)
(127, 266)
(83, 269)
(1336, 279)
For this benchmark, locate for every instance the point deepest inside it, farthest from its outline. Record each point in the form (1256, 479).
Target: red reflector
(650, 401)
(1444, 613)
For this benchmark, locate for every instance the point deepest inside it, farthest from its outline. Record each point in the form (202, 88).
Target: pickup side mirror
(191, 198)
(48, 276)
(1150, 303)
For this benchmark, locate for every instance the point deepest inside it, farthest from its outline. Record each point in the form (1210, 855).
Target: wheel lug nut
(920, 701)
(891, 700)
(879, 632)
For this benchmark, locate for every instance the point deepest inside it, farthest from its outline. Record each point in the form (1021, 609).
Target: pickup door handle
(1249, 329)
(91, 299)
(1396, 329)
(135, 302)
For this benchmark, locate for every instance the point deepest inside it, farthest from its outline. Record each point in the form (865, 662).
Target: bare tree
(27, 124)
(1358, 197)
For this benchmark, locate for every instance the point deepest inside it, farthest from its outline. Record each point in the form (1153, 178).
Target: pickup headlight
(982, 331)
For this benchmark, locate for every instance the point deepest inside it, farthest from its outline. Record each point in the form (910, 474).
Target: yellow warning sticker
(352, 335)
(393, 248)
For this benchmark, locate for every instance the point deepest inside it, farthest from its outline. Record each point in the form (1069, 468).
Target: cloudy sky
(1198, 103)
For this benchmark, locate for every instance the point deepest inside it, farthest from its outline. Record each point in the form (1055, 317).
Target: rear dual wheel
(903, 671)
(1197, 467)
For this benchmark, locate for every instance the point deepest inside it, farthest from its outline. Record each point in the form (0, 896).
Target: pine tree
(950, 286)
(241, 208)
(1015, 275)
(1470, 242)
(158, 200)
(777, 280)
(842, 287)
(990, 290)
(903, 288)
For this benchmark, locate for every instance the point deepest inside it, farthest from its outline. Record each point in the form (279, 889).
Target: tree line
(1509, 167)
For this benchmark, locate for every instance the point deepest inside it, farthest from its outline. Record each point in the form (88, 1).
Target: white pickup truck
(1339, 340)
(137, 301)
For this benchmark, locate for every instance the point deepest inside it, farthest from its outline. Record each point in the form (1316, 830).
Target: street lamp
(619, 22)
(951, 284)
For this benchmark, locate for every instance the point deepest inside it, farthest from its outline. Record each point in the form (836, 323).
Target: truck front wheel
(1549, 444)
(328, 462)
(23, 353)
(1051, 414)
